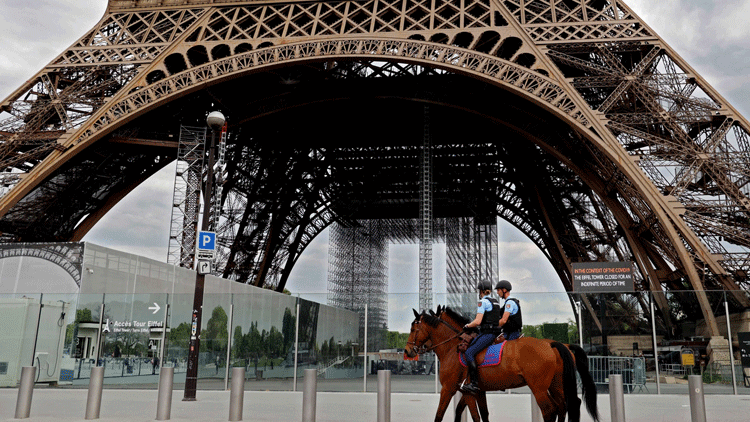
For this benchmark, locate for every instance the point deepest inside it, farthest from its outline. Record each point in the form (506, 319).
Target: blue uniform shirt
(510, 307)
(484, 305)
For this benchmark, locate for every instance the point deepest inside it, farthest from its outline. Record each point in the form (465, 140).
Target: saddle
(467, 338)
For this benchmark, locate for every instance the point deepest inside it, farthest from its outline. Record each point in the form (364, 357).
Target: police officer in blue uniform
(511, 321)
(487, 320)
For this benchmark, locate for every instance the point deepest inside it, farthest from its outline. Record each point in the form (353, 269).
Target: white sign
(204, 267)
(207, 255)
(135, 326)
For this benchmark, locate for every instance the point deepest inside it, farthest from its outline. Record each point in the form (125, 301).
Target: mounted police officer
(511, 321)
(487, 320)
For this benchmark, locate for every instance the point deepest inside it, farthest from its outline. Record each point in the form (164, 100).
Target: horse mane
(430, 319)
(433, 319)
(454, 315)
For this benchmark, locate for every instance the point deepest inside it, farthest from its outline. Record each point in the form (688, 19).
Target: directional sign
(207, 241)
(204, 267)
(156, 307)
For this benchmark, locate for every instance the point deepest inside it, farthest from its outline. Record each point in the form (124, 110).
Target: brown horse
(556, 389)
(546, 367)
(589, 390)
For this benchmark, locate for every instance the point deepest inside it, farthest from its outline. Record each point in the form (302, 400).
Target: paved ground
(400, 384)
(62, 404)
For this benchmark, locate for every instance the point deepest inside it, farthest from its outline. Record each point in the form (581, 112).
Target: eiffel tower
(571, 119)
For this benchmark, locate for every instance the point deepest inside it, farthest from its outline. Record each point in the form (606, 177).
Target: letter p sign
(207, 241)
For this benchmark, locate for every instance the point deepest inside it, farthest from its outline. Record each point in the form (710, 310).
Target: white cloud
(33, 33)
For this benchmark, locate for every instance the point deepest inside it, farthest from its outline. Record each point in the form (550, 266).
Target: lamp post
(215, 121)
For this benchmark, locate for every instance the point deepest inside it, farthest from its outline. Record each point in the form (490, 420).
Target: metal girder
(649, 145)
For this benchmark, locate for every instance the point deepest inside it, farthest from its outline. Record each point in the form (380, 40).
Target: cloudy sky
(712, 35)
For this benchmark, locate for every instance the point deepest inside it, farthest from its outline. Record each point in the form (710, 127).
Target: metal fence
(118, 367)
(632, 369)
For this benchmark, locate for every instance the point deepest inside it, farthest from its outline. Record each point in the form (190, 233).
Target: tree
(555, 331)
(180, 334)
(396, 340)
(275, 343)
(324, 352)
(239, 348)
(82, 315)
(534, 331)
(254, 342)
(288, 329)
(216, 334)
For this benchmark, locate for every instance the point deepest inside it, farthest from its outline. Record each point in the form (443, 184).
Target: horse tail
(587, 382)
(570, 388)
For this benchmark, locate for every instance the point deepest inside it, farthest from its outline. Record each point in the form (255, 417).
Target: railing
(633, 371)
(117, 367)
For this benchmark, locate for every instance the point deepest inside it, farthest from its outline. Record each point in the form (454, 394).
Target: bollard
(456, 399)
(237, 394)
(697, 402)
(25, 391)
(94, 400)
(309, 392)
(536, 411)
(164, 400)
(384, 395)
(616, 398)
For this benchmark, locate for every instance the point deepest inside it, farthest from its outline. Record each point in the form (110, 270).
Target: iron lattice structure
(358, 264)
(68, 256)
(186, 198)
(571, 119)
(358, 275)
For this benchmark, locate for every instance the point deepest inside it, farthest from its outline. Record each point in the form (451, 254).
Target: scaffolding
(425, 217)
(358, 275)
(471, 255)
(186, 198)
(358, 264)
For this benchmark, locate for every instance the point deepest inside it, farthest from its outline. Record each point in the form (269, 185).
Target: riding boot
(473, 386)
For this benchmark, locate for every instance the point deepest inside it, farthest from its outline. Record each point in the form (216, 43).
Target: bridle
(424, 349)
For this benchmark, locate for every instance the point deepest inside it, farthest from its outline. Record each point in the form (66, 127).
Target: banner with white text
(603, 277)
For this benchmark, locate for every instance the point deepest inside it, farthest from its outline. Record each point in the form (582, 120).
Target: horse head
(419, 336)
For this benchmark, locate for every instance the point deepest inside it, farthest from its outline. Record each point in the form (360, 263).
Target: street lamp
(215, 121)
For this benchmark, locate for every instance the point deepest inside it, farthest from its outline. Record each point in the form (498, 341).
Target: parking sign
(207, 241)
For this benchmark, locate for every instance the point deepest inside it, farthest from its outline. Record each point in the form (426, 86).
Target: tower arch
(593, 66)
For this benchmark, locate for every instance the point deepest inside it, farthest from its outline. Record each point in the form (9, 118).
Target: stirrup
(472, 389)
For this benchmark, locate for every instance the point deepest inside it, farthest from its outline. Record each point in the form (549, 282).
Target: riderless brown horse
(546, 367)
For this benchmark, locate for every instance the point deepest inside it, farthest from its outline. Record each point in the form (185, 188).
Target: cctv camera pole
(215, 121)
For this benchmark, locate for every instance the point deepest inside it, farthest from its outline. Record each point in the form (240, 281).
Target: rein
(422, 349)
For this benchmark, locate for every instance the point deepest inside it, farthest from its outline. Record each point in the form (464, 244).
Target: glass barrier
(134, 334)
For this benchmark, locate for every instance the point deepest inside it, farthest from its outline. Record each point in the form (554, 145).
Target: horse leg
(470, 402)
(548, 408)
(460, 409)
(557, 395)
(446, 394)
(482, 405)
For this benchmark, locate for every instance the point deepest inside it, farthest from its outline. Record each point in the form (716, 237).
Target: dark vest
(491, 318)
(515, 322)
